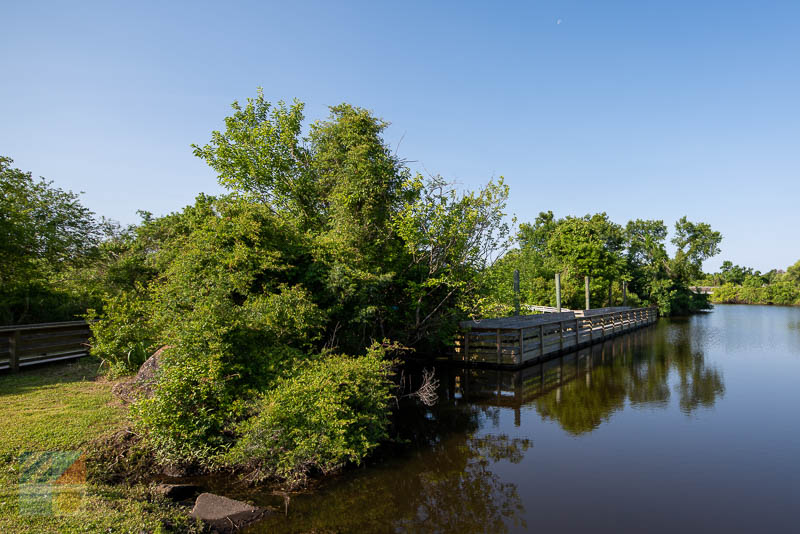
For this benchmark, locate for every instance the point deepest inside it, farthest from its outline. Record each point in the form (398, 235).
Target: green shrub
(333, 411)
(192, 407)
(123, 336)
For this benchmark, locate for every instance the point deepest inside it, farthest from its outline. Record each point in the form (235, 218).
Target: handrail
(41, 326)
(45, 342)
(555, 321)
(496, 342)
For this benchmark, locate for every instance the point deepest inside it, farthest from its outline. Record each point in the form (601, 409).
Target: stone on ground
(223, 514)
(144, 381)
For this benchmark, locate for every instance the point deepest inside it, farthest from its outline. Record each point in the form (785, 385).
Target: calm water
(689, 425)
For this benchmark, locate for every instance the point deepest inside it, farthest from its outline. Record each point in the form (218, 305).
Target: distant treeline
(609, 254)
(744, 285)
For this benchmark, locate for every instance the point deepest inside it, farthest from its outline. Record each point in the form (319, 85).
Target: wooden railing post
(541, 340)
(561, 335)
(13, 351)
(499, 348)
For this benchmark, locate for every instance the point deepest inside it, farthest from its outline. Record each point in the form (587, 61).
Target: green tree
(325, 242)
(389, 255)
(44, 230)
(793, 273)
(451, 239)
(696, 242)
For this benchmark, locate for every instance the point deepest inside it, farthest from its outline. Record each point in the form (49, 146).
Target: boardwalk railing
(544, 309)
(518, 340)
(23, 345)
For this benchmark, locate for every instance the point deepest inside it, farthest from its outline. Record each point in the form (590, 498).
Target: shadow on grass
(38, 376)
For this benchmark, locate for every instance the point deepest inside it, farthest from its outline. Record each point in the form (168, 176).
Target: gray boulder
(225, 515)
(144, 381)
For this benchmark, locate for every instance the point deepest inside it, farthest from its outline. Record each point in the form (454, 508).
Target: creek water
(687, 425)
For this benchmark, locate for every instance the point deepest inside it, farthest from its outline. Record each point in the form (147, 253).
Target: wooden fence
(23, 345)
(543, 309)
(519, 340)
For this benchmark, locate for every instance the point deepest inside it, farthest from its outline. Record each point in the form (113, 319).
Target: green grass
(48, 416)
(59, 407)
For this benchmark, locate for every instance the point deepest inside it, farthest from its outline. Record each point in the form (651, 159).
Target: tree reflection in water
(583, 390)
(442, 478)
(444, 483)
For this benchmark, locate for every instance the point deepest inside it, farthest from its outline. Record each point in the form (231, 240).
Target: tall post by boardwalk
(558, 292)
(586, 283)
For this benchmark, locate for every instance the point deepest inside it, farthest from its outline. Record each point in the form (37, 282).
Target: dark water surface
(689, 425)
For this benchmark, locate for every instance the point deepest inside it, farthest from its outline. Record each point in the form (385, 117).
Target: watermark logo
(51, 483)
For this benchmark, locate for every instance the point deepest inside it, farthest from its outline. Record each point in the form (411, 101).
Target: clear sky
(640, 109)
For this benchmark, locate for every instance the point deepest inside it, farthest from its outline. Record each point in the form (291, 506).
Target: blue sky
(640, 109)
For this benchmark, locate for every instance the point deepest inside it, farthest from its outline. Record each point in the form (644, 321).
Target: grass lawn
(48, 415)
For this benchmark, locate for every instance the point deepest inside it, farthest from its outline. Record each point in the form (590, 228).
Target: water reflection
(449, 487)
(452, 471)
(582, 390)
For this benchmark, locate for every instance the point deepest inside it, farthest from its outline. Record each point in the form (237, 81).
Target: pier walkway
(526, 339)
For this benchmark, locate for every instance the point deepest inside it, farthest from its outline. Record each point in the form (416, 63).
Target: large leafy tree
(575, 247)
(696, 242)
(389, 255)
(591, 245)
(662, 280)
(326, 241)
(44, 230)
(41, 226)
(451, 240)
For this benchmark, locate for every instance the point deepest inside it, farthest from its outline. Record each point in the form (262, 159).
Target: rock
(177, 492)
(146, 377)
(175, 471)
(225, 515)
(144, 381)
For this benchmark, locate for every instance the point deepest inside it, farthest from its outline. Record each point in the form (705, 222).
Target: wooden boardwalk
(525, 339)
(24, 345)
(515, 388)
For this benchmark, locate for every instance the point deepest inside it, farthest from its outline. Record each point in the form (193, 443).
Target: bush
(188, 418)
(123, 337)
(333, 411)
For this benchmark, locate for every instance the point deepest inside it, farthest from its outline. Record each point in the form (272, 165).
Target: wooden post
(499, 349)
(13, 351)
(577, 333)
(586, 283)
(541, 340)
(624, 293)
(558, 292)
(521, 345)
(561, 335)
(516, 291)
